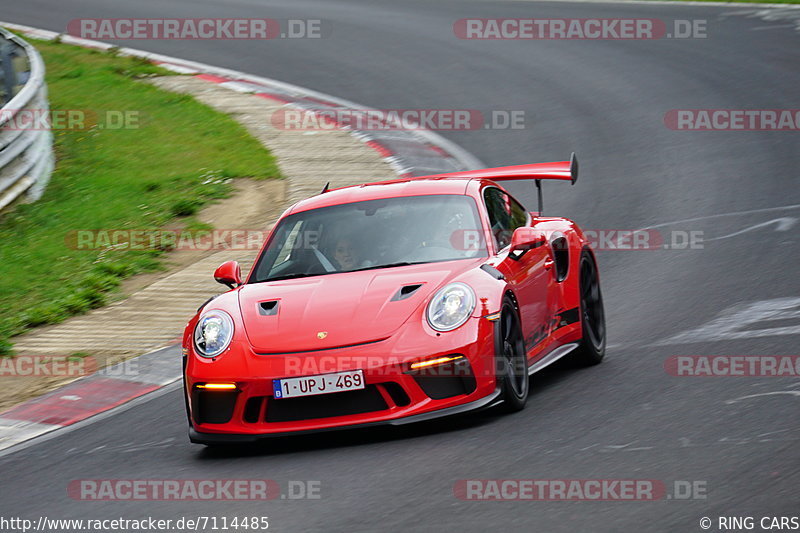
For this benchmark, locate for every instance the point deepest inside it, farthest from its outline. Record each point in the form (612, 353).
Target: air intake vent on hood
(406, 292)
(268, 308)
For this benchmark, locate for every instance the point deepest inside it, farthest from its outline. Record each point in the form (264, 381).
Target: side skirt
(552, 357)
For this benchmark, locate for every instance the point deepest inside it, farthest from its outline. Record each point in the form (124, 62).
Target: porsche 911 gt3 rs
(394, 302)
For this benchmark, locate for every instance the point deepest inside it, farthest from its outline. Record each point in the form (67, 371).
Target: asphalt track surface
(624, 419)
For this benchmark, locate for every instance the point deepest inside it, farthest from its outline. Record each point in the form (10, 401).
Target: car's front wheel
(512, 363)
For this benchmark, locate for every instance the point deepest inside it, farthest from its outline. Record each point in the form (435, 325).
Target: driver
(344, 254)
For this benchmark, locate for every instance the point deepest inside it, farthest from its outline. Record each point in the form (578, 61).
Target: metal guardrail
(26, 153)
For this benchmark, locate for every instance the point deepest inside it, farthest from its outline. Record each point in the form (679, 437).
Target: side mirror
(229, 273)
(524, 239)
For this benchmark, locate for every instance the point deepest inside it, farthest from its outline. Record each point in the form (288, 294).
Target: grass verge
(171, 156)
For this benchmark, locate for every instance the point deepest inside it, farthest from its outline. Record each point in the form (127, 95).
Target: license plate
(320, 384)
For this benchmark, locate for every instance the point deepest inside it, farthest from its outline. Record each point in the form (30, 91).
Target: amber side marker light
(434, 362)
(216, 386)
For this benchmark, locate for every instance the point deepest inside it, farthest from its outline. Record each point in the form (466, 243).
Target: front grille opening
(252, 409)
(397, 393)
(326, 405)
(447, 380)
(439, 388)
(213, 407)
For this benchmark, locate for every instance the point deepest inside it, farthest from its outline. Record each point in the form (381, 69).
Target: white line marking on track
(781, 224)
(670, 3)
(731, 214)
(732, 323)
(779, 26)
(773, 393)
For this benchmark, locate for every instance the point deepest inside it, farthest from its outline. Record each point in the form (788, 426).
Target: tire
(511, 359)
(592, 347)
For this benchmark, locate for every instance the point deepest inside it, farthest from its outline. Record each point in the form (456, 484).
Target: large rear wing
(559, 170)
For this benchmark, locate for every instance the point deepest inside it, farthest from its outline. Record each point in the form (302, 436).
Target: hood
(337, 310)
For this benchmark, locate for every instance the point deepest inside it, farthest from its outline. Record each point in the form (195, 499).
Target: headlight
(451, 306)
(213, 333)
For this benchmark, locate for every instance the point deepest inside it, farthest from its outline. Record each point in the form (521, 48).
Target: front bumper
(393, 395)
(198, 437)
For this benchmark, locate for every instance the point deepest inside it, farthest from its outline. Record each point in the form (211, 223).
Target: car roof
(384, 189)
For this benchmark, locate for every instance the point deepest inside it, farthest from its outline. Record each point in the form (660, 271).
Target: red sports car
(390, 303)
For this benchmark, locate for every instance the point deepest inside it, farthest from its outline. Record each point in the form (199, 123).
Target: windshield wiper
(389, 265)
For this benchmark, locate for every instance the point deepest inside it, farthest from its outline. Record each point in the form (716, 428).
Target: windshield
(373, 234)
